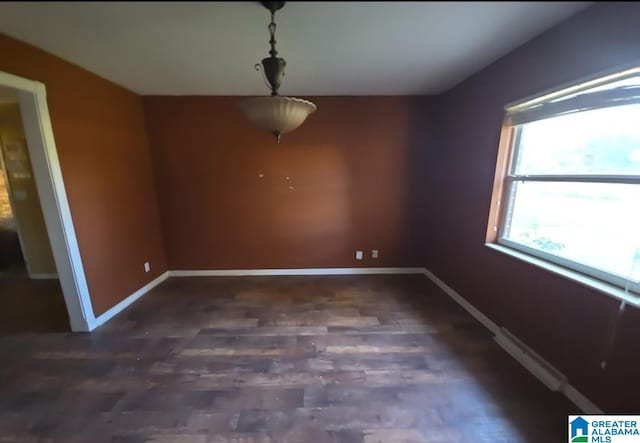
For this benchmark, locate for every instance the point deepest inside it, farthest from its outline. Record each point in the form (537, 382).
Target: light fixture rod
(272, 31)
(276, 114)
(273, 66)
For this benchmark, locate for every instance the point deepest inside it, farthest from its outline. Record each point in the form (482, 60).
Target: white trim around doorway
(53, 198)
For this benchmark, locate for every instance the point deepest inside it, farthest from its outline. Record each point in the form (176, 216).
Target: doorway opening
(30, 292)
(42, 282)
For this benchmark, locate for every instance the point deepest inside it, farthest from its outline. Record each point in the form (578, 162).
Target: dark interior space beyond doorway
(28, 305)
(10, 252)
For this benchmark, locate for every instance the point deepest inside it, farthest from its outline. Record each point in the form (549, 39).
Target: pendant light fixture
(276, 114)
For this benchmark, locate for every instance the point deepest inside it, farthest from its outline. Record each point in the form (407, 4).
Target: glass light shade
(277, 114)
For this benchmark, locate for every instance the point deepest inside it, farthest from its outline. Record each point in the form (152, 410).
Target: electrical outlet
(359, 255)
(374, 253)
(147, 266)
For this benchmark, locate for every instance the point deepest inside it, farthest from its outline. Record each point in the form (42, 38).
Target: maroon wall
(566, 323)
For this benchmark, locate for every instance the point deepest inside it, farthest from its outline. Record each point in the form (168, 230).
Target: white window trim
(577, 277)
(601, 280)
(598, 274)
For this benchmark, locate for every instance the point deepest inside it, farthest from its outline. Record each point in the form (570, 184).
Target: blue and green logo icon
(579, 430)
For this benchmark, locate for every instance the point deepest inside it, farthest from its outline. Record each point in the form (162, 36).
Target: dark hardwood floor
(362, 359)
(27, 305)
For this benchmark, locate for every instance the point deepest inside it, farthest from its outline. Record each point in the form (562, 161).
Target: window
(569, 188)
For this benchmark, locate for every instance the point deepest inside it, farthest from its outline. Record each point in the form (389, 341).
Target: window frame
(506, 178)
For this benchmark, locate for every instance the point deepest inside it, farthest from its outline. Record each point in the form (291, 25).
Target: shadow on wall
(362, 143)
(425, 174)
(374, 140)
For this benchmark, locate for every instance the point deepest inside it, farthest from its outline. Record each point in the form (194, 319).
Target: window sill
(590, 282)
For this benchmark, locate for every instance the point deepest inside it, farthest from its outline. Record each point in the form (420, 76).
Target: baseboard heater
(538, 366)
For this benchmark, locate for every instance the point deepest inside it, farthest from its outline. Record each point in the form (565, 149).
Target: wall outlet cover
(147, 266)
(374, 253)
(359, 255)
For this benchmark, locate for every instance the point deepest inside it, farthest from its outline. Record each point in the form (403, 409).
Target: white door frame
(32, 96)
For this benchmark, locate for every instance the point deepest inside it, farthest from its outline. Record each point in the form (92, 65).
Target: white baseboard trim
(551, 377)
(490, 325)
(586, 405)
(43, 276)
(299, 271)
(535, 364)
(108, 315)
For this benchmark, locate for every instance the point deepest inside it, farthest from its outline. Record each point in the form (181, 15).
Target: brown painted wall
(566, 323)
(350, 167)
(27, 211)
(100, 134)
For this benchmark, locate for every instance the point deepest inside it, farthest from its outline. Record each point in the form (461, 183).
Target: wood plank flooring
(344, 359)
(30, 305)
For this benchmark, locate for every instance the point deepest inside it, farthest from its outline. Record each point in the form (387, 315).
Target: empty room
(319, 222)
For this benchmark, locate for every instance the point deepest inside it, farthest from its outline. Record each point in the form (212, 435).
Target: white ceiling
(331, 48)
